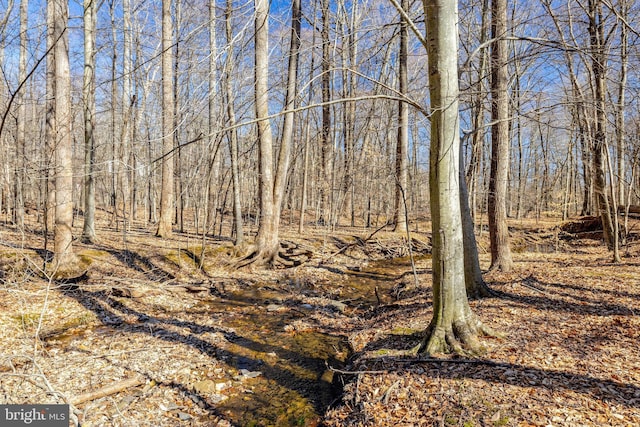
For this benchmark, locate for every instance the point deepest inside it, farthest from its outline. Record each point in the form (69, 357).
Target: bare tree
(402, 145)
(19, 177)
(64, 256)
(600, 146)
(454, 326)
(498, 229)
(165, 221)
(233, 133)
(620, 103)
(127, 102)
(212, 121)
(89, 106)
(326, 161)
(272, 189)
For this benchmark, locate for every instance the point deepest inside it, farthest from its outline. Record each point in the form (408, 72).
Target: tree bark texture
(89, 107)
(64, 258)
(167, 191)
(453, 326)
(402, 144)
(598, 55)
(499, 174)
(233, 136)
(267, 239)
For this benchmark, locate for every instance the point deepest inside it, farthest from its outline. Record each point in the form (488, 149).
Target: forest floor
(164, 332)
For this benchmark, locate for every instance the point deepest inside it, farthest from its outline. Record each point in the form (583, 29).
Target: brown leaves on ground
(213, 346)
(570, 357)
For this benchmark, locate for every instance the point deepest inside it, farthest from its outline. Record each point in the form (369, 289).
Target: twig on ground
(107, 390)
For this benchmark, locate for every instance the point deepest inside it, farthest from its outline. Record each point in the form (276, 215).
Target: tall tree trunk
(499, 174)
(478, 110)
(177, 118)
(3, 90)
(89, 107)
(402, 144)
(233, 134)
(267, 239)
(598, 55)
(212, 123)
(114, 165)
(64, 257)
(272, 189)
(326, 162)
(165, 221)
(453, 327)
(282, 167)
(127, 111)
(580, 114)
(620, 110)
(474, 283)
(307, 132)
(50, 125)
(19, 177)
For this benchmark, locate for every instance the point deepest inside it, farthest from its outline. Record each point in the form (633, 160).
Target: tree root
(480, 289)
(460, 337)
(277, 259)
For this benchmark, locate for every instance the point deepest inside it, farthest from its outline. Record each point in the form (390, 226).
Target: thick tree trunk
(596, 33)
(272, 188)
(64, 257)
(167, 191)
(454, 327)
(498, 229)
(267, 239)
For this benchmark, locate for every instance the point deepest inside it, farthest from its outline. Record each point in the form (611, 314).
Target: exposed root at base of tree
(266, 258)
(460, 337)
(480, 290)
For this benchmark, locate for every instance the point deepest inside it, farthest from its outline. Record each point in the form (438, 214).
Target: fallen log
(634, 210)
(587, 224)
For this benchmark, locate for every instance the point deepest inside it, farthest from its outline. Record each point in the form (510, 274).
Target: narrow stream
(278, 342)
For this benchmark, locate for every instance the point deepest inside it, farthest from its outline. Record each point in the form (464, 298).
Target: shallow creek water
(273, 371)
(295, 386)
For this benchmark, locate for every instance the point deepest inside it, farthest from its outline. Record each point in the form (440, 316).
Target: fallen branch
(358, 241)
(107, 390)
(532, 288)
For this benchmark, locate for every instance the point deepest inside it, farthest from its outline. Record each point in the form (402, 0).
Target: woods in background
(154, 118)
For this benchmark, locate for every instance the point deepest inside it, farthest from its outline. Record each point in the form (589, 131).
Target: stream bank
(212, 351)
